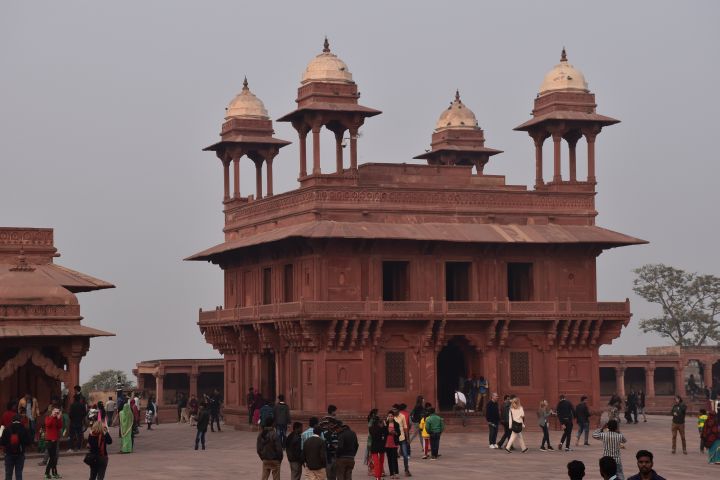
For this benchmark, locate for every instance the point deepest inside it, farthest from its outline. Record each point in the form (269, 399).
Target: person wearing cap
(14, 440)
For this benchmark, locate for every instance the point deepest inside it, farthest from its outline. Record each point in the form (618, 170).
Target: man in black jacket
(347, 448)
(492, 415)
(269, 449)
(77, 417)
(582, 414)
(504, 420)
(281, 414)
(565, 414)
(293, 448)
(314, 456)
(14, 440)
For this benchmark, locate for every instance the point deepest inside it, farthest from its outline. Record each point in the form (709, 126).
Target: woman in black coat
(378, 435)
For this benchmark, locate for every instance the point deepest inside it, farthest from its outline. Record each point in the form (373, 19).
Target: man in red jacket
(9, 414)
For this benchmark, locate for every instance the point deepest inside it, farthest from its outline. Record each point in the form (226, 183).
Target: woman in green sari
(126, 428)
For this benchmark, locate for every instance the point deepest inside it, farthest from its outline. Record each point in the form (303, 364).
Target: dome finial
(457, 94)
(326, 45)
(563, 55)
(245, 84)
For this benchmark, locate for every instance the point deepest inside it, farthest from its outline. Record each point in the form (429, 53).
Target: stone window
(520, 369)
(519, 282)
(457, 281)
(394, 369)
(395, 282)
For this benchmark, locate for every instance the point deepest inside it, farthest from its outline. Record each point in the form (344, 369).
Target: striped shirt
(611, 442)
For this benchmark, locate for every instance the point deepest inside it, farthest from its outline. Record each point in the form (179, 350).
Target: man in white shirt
(110, 407)
(461, 405)
(400, 419)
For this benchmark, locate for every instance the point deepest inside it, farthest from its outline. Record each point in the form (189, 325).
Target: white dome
(457, 116)
(563, 77)
(327, 67)
(246, 105)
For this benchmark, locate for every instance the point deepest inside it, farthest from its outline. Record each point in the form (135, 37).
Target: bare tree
(690, 304)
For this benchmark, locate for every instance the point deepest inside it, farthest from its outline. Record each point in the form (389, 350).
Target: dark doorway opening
(451, 369)
(634, 379)
(288, 286)
(395, 286)
(267, 286)
(519, 282)
(457, 281)
(608, 384)
(267, 376)
(208, 382)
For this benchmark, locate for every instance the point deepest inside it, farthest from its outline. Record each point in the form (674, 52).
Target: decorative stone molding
(38, 359)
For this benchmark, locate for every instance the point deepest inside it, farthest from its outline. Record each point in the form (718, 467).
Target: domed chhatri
(246, 105)
(327, 67)
(457, 115)
(564, 76)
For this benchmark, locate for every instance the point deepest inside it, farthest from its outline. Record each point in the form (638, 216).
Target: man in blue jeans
(582, 415)
(403, 437)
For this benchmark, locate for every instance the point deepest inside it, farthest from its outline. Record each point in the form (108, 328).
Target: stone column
(226, 179)
(353, 148)
(339, 151)
(236, 176)
(650, 385)
(707, 374)
(269, 179)
(557, 139)
(258, 180)
(538, 160)
(590, 137)
(194, 381)
(620, 381)
(73, 366)
(573, 171)
(302, 135)
(316, 150)
(159, 388)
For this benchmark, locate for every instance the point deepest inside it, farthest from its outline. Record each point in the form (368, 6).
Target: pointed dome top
(246, 105)
(327, 67)
(563, 76)
(457, 116)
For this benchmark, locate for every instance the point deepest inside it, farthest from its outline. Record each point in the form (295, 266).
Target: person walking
(269, 449)
(98, 440)
(250, 403)
(678, 423)
(544, 412)
(461, 406)
(582, 416)
(193, 406)
(203, 419)
(183, 407)
(14, 440)
(416, 415)
(293, 448)
(110, 407)
(281, 416)
(435, 426)
(391, 444)
(425, 435)
(611, 441)
(215, 403)
(265, 412)
(126, 429)
(492, 416)
(565, 414)
(504, 412)
(31, 408)
(702, 418)
(378, 437)
(516, 420)
(53, 427)
(641, 404)
(346, 450)
(150, 413)
(645, 467)
(315, 456)
(402, 438)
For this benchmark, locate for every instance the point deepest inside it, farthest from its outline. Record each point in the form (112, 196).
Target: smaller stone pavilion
(41, 338)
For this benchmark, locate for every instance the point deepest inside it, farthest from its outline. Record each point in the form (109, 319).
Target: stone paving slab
(167, 453)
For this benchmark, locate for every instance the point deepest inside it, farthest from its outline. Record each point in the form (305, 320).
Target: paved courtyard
(166, 453)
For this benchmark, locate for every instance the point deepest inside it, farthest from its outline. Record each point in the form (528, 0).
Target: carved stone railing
(39, 311)
(379, 309)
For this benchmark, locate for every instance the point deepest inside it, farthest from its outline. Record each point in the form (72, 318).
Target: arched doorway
(451, 370)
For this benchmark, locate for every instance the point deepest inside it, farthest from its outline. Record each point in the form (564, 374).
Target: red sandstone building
(374, 283)
(41, 338)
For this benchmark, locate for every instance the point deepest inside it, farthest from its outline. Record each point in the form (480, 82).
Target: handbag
(517, 427)
(90, 459)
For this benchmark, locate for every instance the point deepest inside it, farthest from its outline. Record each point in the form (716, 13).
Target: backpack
(416, 414)
(268, 450)
(15, 446)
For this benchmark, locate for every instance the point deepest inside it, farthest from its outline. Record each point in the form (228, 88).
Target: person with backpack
(281, 415)
(346, 450)
(315, 456)
(270, 450)
(14, 440)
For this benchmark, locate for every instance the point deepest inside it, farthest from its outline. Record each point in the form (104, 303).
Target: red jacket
(7, 418)
(53, 426)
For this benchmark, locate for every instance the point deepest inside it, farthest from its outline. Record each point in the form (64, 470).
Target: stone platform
(167, 453)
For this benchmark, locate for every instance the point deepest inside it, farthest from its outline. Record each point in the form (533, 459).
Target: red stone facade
(41, 338)
(375, 283)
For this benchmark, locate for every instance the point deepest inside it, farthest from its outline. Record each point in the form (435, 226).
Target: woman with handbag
(392, 443)
(516, 419)
(378, 436)
(97, 457)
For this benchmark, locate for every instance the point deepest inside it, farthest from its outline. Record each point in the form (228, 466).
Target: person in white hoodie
(516, 418)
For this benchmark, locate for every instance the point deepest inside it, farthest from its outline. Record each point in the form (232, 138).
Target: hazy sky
(105, 107)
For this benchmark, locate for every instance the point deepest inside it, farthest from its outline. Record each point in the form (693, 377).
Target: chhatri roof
(246, 105)
(22, 284)
(564, 76)
(327, 68)
(457, 116)
(442, 232)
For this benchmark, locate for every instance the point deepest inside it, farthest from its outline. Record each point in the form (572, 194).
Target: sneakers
(550, 449)
(543, 449)
(526, 449)
(560, 446)
(491, 446)
(508, 450)
(407, 473)
(425, 457)
(568, 449)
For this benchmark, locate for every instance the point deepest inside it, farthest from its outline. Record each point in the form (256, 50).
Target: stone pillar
(538, 161)
(258, 180)
(159, 388)
(353, 148)
(302, 135)
(557, 175)
(573, 170)
(679, 380)
(236, 176)
(707, 374)
(269, 179)
(73, 366)
(316, 150)
(590, 137)
(339, 151)
(226, 179)
(620, 381)
(650, 386)
(194, 381)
